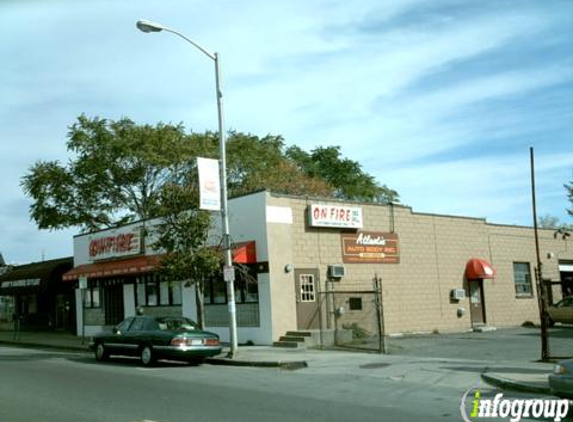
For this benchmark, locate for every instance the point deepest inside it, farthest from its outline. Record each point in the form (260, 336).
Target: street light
(149, 26)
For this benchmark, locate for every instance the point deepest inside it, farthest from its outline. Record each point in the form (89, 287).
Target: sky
(440, 100)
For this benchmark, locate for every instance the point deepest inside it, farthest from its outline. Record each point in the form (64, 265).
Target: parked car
(153, 338)
(561, 380)
(562, 311)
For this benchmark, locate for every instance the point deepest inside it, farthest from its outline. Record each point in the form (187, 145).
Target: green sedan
(153, 338)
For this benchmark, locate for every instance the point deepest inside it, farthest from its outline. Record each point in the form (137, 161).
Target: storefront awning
(477, 268)
(243, 253)
(35, 277)
(137, 265)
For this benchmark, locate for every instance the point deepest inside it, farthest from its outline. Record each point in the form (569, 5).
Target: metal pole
(229, 272)
(382, 347)
(230, 278)
(538, 270)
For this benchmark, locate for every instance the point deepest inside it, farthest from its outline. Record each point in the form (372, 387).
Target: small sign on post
(83, 283)
(229, 274)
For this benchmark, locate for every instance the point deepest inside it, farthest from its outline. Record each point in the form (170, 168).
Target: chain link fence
(358, 316)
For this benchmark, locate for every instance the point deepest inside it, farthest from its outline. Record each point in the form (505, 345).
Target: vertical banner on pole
(209, 184)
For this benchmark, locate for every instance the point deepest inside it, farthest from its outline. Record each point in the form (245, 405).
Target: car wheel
(101, 353)
(147, 356)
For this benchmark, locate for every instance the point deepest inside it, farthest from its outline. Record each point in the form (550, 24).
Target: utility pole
(538, 270)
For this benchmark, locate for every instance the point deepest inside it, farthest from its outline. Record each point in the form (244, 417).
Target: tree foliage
(118, 169)
(569, 189)
(115, 174)
(345, 176)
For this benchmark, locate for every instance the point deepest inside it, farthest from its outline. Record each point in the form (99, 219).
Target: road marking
(145, 420)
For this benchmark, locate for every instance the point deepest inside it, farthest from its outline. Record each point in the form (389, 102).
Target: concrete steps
(295, 340)
(306, 339)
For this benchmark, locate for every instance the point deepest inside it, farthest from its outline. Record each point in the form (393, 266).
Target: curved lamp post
(148, 26)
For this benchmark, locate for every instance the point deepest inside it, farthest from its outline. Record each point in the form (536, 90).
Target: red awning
(137, 265)
(245, 252)
(479, 268)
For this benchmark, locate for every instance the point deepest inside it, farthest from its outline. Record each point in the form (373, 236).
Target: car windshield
(176, 324)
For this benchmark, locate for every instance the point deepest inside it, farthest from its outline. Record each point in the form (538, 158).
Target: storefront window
(92, 297)
(164, 293)
(246, 289)
(219, 292)
(6, 308)
(152, 291)
(140, 294)
(176, 294)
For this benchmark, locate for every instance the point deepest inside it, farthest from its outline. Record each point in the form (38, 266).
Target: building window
(152, 290)
(307, 292)
(92, 297)
(522, 278)
(246, 288)
(355, 303)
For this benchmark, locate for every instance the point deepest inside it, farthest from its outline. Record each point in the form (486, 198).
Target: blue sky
(440, 99)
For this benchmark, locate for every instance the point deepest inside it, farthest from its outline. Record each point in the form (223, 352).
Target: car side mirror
(116, 330)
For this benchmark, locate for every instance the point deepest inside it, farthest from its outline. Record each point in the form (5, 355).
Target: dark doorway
(307, 309)
(113, 303)
(477, 307)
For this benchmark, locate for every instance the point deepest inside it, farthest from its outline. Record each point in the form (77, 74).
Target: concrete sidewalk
(256, 356)
(524, 376)
(533, 379)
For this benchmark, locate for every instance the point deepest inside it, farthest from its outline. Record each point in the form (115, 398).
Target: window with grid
(153, 290)
(522, 278)
(307, 290)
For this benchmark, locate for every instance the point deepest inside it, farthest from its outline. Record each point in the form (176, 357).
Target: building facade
(35, 295)
(312, 264)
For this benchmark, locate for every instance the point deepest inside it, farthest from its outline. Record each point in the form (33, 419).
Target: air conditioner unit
(336, 271)
(457, 294)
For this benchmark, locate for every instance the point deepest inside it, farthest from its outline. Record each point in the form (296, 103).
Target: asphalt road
(68, 387)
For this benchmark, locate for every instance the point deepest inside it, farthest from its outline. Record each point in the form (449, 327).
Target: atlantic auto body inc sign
(370, 248)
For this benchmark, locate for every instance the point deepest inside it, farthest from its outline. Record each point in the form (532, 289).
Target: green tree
(346, 176)
(183, 235)
(117, 170)
(115, 175)
(260, 163)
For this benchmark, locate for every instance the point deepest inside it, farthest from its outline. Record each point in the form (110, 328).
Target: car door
(133, 336)
(116, 343)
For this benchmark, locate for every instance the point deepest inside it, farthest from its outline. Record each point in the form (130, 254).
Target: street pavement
(64, 386)
(506, 358)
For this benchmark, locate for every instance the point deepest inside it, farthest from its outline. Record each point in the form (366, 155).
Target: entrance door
(476, 302)
(113, 303)
(307, 299)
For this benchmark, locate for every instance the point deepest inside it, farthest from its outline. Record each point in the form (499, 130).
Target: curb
(17, 343)
(510, 384)
(292, 365)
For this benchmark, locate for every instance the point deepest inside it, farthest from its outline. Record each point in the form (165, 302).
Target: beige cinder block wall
(434, 250)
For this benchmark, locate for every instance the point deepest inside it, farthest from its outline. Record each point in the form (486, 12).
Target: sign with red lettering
(115, 243)
(370, 248)
(320, 215)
